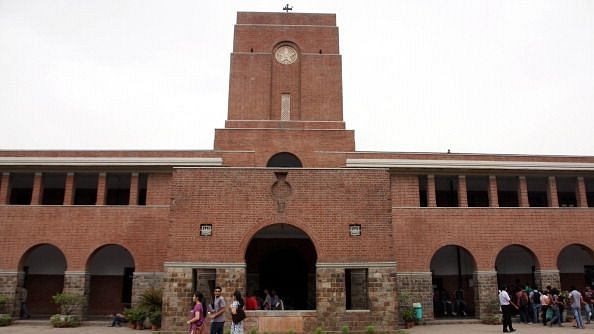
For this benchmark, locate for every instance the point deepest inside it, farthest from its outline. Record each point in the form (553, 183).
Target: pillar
(431, 198)
(493, 197)
(523, 192)
(37, 189)
(582, 199)
(552, 192)
(462, 193)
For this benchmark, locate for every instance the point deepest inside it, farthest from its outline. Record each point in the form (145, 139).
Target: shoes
(505, 331)
(512, 330)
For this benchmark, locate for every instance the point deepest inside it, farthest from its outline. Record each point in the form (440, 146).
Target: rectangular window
(53, 187)
(446, 190)
(567, 191)
(589, 182)
(20, 187)
(356, 289)
(142, 188)
(477, 191)
(117, 191)
(285, 107)
(537, 191)
(423, 191)
(507, 191)
(85, 188)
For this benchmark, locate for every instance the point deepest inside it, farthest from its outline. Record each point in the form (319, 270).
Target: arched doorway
(43, 268)
(111, 268)
(576, 267)
(282, 257)
(452, 269)
(515, 266)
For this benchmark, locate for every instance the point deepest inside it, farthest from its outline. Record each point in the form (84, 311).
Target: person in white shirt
(506, 308)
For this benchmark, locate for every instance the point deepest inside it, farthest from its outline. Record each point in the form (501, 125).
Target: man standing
(576, 306)
(217, 312)
(506, 308)
(24, 309)
(588, 299)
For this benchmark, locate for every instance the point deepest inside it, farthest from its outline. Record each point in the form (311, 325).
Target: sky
(470, 76)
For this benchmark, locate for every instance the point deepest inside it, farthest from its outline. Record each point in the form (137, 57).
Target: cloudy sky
(498, 76)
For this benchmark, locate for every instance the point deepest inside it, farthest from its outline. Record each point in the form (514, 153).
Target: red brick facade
(285, 202)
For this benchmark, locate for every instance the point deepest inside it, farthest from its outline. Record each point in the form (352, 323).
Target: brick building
(285, 202)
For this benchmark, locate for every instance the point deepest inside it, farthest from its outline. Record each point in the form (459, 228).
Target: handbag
(238, 316)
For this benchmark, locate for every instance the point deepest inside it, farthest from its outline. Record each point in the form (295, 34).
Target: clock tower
(285, 91)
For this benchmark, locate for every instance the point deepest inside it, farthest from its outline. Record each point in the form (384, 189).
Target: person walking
(576, 300)
(506, 308)
(236, 306)
(217, 312)
(198, 314)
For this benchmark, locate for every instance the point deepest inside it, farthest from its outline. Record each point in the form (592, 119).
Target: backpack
(524, 299)
(535, 297)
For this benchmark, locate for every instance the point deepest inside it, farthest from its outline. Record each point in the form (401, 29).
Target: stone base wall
(143, 281)
(415, 287)
(8, 288)
(77, 282)
(486, 292)
(544, 278)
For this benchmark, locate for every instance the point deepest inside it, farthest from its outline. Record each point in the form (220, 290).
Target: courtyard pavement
(96, 327)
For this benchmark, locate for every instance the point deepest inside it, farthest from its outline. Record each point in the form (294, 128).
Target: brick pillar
(37, 189)
(4, 188)
(69, 189)
(462, 193)
(133, 189)
(486, 293)
(431, 199)
(523, 192)
(580, 193)
(493, 197)
(101, 186)
(552, 192)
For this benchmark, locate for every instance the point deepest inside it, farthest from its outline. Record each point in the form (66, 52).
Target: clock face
(286, 55)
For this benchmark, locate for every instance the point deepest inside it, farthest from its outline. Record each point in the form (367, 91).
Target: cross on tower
(287, 8)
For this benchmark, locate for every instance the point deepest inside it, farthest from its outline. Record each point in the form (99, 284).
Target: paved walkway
(43, 327)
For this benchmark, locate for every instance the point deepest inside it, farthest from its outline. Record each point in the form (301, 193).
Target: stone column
(431, 199)
(330, 295)
(78, 282)
(546, 277)
(462, 193)
(9, 288)
(552, 192)
(580, 192)
(523, 192)
(486, 293)
(493, 196)
(415, 287)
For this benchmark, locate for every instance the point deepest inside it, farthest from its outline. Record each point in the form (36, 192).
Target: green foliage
(63, 320)
(319, 330)
(135, 314)
(345, 329)
(151, 299)
(3, 303)
(5, 319)
(408, 314)
(69, 302)
(370, 329)
(290, 331)
(155, 318)
(253, 331)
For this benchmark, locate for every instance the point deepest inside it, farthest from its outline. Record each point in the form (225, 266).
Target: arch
(515, 266)
(42, 274)
(576, 266)
(111, 269)
(452, 269)
(284, 159)
(282, 257)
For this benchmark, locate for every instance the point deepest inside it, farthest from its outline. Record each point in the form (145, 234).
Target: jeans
(577, 313)
(535, 312)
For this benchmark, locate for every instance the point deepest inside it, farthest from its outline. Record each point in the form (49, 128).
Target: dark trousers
(217, 327)
(507, 314)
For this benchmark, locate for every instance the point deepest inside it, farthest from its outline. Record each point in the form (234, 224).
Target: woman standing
(236, 328)
(198, 314)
